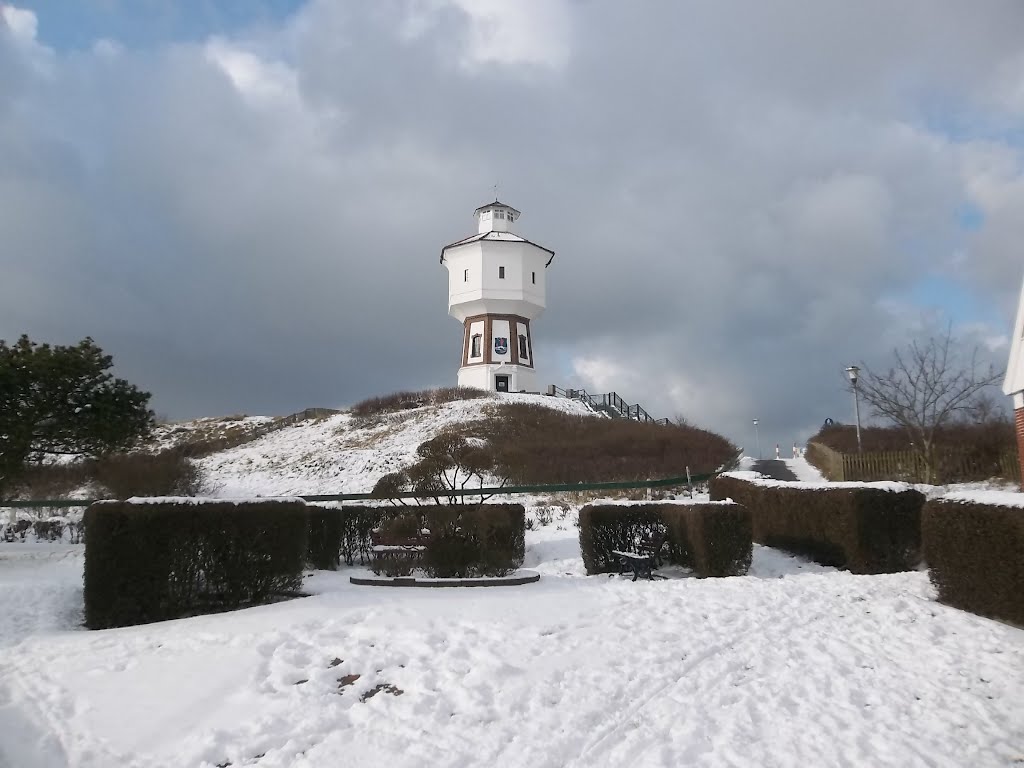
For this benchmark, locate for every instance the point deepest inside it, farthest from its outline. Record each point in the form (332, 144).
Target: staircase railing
(609, 401)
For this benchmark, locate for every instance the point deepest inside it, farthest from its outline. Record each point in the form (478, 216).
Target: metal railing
(610, 401)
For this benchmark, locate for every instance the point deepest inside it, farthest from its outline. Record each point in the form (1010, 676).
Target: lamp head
(853, 372)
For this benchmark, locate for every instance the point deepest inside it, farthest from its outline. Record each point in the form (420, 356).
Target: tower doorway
(501, 383)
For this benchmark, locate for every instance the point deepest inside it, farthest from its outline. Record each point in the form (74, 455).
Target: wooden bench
(646, 559)
(396, 555)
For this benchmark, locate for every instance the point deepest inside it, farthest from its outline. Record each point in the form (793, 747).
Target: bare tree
(929, 385)
(448, 463)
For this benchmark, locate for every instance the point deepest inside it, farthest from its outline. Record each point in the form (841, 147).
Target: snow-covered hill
(345, 453)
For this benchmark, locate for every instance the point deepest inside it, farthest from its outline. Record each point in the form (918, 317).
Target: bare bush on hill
(121, 476)
(54, 481)
(168, 473)
(534, 444)
(399, 401)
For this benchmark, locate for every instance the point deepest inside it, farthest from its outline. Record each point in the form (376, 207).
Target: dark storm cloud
(740, 201)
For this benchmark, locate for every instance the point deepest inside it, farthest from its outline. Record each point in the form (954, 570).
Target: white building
(496, 286)
(1013, 384)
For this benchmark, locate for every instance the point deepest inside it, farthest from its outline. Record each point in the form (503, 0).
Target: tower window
(533, 276)
(465, 275)
(475, 346)
(522, 347)
(501, 273)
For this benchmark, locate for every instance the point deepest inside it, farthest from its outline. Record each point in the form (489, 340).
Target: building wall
(1019, 418)
(491, 327)
(475, 286)
(464, 275)
(474, 328)
(482, 377)
(476, 376)
(523, 330)
(520, 261)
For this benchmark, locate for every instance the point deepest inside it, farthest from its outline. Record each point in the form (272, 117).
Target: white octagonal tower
(495, 288)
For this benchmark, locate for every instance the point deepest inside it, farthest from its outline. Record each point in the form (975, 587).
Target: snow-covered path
(794, 665)
(41, 585)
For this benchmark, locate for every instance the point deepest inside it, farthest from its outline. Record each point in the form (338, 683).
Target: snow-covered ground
(793, 665)
(805, 471)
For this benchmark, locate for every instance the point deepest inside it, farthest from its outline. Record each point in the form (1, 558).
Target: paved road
(774, 468)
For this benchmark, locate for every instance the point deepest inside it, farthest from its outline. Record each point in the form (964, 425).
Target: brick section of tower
(1019, 418)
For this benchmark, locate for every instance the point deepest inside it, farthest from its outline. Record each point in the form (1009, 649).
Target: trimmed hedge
(975, 556)
(861, 529)
(479, 540)
(148, 562)
(330, 541)
(712, 539)
(465, 540)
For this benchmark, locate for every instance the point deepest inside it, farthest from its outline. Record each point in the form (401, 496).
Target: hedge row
(464, 540)
(975, 555)
(149, 562)
(862, 529)
(712, 539)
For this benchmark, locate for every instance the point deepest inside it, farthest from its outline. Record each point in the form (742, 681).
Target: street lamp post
(854, 372)
(757, 437)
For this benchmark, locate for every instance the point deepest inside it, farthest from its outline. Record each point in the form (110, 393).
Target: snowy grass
(343, 454)
(793, 665)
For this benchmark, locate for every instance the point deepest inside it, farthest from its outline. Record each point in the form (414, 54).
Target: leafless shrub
(927, 388)
(168, 473)
(399, 401)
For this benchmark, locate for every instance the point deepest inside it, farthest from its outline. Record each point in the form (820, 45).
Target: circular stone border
(512, 580)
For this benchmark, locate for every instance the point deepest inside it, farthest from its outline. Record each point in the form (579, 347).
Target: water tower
(496, 287)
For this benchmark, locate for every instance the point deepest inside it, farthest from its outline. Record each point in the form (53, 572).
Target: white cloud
(262, 82)
(1007, 88)
(525, 33)
(601, 373)
(107, 48)
(22, 22)
(741, 200)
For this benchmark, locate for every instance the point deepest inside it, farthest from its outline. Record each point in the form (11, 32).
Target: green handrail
(511, 489)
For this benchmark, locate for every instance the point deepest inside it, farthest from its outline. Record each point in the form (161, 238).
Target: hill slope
(345, 453)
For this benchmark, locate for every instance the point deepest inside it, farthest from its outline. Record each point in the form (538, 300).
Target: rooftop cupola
(495, 217)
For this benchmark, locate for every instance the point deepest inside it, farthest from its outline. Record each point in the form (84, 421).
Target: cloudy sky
(244, 201)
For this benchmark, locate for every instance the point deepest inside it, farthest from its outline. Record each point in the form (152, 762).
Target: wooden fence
(952, 465)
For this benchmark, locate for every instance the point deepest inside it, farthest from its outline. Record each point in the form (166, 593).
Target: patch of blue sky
(78, 24)
(966, 123)
(953, 300)
(969, 217)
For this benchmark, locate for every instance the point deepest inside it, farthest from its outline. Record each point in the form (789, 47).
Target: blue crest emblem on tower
(501, 345)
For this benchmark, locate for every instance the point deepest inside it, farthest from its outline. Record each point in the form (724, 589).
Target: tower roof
(497, 204)
(503, 237)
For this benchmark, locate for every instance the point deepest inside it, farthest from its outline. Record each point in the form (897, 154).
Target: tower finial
(495, 191)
